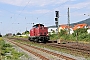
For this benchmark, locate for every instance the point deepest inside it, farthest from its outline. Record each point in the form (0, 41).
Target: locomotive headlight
(47, 34)
(48, 37)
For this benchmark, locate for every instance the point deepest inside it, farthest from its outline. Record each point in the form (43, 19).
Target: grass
(8, 52)
(1, 38)
(21, 36)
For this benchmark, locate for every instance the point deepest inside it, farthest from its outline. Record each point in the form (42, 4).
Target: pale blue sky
(17, 15)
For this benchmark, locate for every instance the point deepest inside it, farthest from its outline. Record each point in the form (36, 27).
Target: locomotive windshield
(37, 25)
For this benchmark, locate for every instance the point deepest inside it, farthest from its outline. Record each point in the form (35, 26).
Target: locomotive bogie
(39, 38)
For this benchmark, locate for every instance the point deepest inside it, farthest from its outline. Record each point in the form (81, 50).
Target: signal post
(56, 20)
(57, 24)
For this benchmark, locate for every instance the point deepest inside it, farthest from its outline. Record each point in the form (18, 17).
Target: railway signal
(56, 18)
(57, 14)
(56, 22)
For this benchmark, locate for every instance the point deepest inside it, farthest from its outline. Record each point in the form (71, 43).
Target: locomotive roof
(38, 24)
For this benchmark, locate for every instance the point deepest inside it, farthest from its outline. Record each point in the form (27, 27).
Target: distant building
(63, 27)
(9, 34)
(89, 27)
(52, 29)
(66, 27)
(80, 26)
(88, 31)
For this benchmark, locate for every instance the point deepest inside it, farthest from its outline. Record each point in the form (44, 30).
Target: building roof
(52, 26)
(79, 26)
(65, 26)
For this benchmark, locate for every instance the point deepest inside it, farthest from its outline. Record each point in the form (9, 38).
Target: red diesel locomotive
(39, 33)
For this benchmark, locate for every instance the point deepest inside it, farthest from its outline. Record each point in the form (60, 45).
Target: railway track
(49, 52)
(30, 51)
(75, 47)
(85, 51)
(40, 56)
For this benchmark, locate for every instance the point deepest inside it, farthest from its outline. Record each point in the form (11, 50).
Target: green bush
(53, 36)
(9, 52)
(62, 32)
(79, 34)
(6, 45)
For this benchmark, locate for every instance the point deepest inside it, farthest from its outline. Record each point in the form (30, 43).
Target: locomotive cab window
(38, 25)
(35, 26)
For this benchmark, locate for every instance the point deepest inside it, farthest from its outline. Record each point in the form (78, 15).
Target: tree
(18, 33)
(0, 35)
(26, 32)
(79, 31)
(63, 32)
(13, 34)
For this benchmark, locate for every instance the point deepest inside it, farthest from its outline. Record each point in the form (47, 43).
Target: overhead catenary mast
(68, 21)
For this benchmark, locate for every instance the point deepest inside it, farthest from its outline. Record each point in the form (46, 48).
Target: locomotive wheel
(37, 41)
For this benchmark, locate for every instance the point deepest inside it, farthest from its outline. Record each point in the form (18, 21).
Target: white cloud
(33, 2)
(15, 2)
(72, 0)
(77, 14)
(42, 11)
(79, 5)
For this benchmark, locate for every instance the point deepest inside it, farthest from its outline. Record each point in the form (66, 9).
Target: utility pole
(26, 28)
(68, 21)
